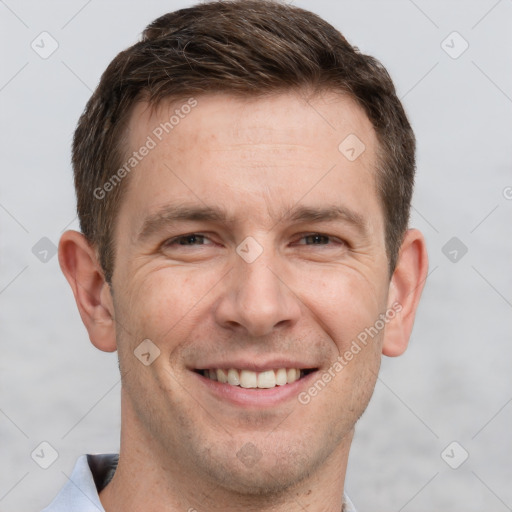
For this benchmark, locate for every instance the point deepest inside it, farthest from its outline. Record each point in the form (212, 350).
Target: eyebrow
(168, 215)
(172, 214)
(326, 213)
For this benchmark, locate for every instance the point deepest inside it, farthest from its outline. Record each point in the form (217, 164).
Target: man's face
(247, 242)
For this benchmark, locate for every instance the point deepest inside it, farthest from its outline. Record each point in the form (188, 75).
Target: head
(244, 178)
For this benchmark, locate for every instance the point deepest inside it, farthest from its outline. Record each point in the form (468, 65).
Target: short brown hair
(245, 48)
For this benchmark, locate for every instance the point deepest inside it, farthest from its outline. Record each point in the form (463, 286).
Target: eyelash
(175, 241)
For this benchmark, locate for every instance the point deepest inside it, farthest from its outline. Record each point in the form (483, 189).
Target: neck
(147, 478)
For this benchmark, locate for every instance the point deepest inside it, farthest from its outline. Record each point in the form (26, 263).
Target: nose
(256, 299)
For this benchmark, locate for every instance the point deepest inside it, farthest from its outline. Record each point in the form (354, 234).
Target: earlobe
(83, 272)
(405, 291)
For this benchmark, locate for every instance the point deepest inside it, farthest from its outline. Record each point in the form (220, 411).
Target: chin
(259, 471)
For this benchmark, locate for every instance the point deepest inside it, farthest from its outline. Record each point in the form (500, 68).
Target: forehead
(279, 148)
(281, 117)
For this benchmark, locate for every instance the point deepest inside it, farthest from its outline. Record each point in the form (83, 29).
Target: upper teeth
(250, 379)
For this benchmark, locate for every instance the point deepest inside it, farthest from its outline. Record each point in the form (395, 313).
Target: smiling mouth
(251, 379)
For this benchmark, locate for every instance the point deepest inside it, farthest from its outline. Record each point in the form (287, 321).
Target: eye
(319, 239)
(190, 239)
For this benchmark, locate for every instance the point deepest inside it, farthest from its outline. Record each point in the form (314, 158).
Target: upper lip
(256, 366)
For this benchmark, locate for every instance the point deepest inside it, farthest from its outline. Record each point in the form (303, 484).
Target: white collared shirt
(90, 476)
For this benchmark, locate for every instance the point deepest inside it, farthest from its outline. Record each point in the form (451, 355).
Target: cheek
(161, 304)
(345, 301)
(352, 380)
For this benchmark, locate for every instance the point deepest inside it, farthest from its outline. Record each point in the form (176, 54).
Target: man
(244, 179)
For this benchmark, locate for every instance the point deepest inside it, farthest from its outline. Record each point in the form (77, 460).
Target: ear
(405, 291)
(80, 265)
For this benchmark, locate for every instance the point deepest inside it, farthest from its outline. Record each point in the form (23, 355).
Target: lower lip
(257, 397)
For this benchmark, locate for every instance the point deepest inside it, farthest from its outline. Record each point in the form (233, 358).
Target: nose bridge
(257, 282)
(253, 266)
(256, 298)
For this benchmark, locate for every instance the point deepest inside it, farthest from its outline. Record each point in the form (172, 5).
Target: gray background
(454, 382)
